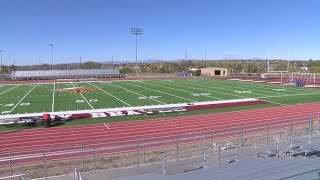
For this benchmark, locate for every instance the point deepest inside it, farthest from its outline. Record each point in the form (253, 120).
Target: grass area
(20, 99)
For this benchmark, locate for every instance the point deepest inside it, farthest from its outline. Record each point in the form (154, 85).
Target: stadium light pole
(268, 60)
(1, 58)
(136, 32)
(288, 59)
(51, 56)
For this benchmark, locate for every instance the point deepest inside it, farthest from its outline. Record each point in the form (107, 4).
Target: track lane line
(83, 129)
(204, 124)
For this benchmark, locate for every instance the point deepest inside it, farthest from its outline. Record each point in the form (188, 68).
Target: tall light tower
(288, 59)
(1, 58)
(268, 60)
(51, 56)
(136, 32)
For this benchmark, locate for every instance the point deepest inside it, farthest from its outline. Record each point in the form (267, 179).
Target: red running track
(122, 133)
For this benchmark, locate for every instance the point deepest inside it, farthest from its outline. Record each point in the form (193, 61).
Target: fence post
(236, 155)
(268, 134)
(164, 165)
(177, 150)
(138, 156)
(10, 166)
(44, 166)
(218, 155)
(290, 154)
(241, 137)
(291, 128)
(318, 125)
(204, 160)
(94, 160)
(144, 151)
(82, 163)
(200, 136)
(211, 144)
(310, 129)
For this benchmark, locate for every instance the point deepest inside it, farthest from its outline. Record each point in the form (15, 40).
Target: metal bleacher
(65, 74)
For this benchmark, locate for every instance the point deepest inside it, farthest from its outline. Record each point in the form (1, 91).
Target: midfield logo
(77, 90)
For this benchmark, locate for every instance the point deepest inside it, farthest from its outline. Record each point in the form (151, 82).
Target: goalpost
(286, 77)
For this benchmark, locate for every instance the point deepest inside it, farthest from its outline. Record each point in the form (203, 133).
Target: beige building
(214, 71)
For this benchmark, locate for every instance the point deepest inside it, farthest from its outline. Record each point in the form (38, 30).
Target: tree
(90, 65)
(281, 66)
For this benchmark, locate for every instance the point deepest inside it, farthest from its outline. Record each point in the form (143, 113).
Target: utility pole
(136, 32)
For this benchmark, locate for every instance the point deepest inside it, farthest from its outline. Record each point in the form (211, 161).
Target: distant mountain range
(175, 60)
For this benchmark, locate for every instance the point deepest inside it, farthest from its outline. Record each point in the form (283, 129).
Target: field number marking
(90, 100)
(11, 104)
(200, 94)
(240, 92)
(278, 89)
(149, 97)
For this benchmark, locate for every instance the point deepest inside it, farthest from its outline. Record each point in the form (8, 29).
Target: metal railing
(173, 149)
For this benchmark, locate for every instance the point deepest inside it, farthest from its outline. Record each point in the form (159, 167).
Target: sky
(99, 29)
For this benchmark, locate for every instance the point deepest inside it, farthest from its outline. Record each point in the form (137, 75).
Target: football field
(55, 97)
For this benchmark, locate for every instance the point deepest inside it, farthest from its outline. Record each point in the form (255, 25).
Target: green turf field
(19, 99)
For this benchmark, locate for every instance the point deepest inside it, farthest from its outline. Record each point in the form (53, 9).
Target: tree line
(235, 66)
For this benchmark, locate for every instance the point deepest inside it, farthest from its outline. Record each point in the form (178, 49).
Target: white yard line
(257, 87)
(22, 98)
(10, 89)
(54, 89)
(181, 89)
(238, 95)
(106, 126)
(163, 93)
(212, 91)
(303, 94)
(233, 90)
(110, 94)
(84, 97)
(137, 93)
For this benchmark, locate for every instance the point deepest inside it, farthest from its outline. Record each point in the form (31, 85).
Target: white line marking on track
(109, 94)
(22, 98)
(83, 97)
(106, 126)
(10, 89)
(54, 89)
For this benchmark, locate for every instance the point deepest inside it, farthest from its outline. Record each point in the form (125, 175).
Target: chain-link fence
(174, 151)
